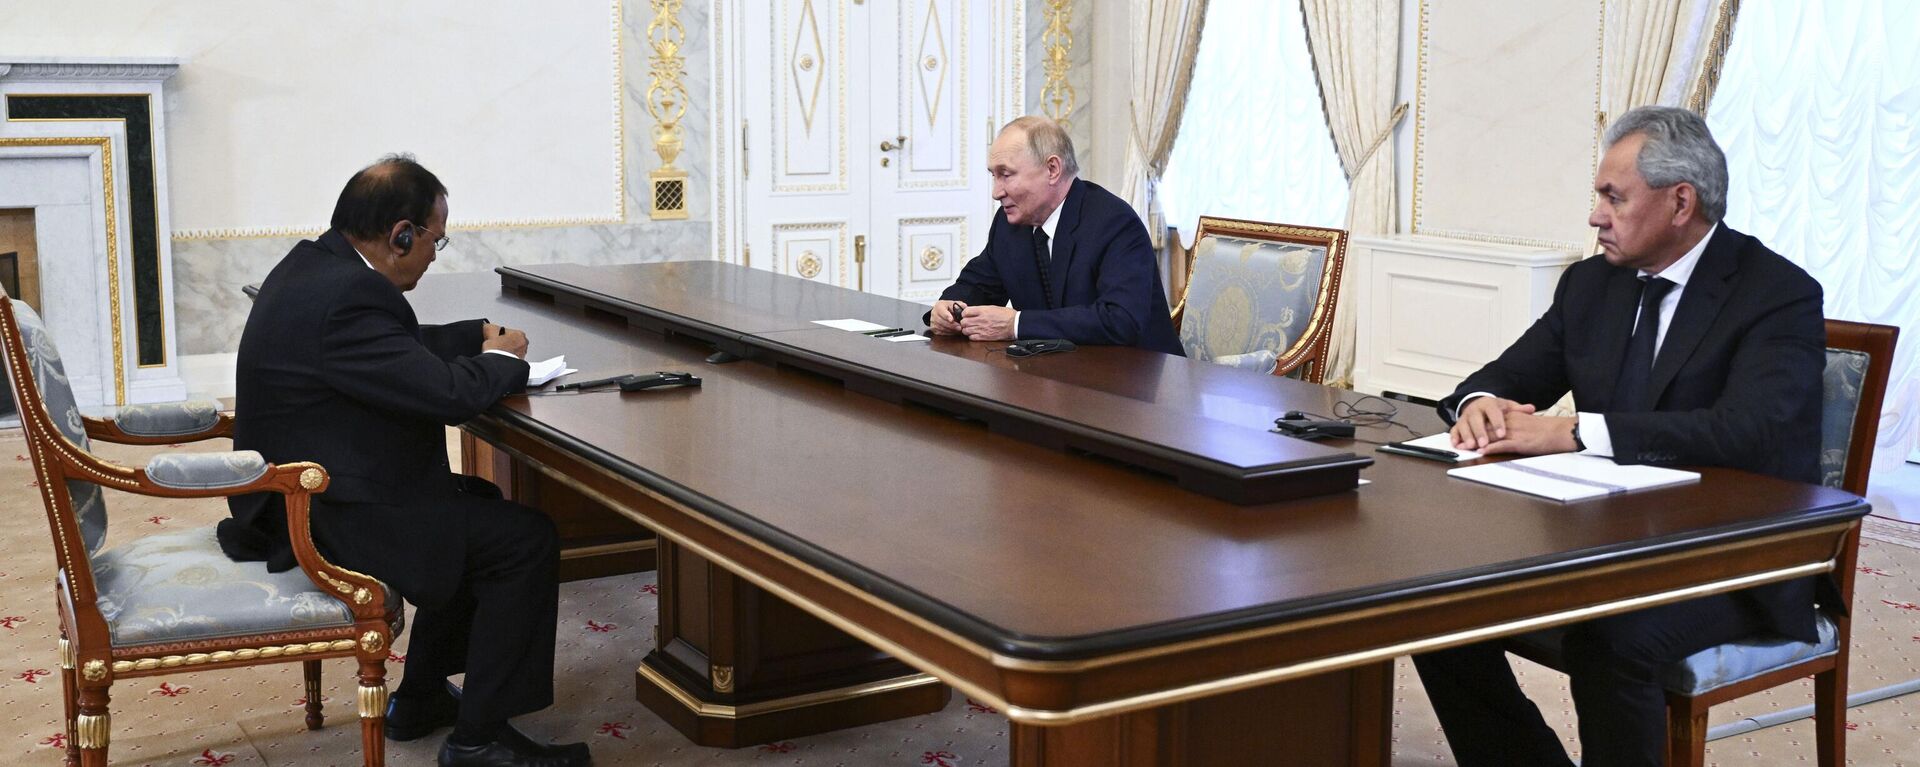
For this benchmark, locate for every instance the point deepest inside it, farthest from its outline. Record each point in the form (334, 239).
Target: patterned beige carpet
(252, 716)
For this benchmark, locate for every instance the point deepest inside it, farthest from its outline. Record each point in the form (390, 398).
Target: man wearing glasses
(334, 368)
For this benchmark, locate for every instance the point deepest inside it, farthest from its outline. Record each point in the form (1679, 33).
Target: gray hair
(1679, 149)
(1045, 138)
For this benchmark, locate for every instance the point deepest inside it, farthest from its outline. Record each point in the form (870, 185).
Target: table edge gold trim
(623, 547)
(757, 708)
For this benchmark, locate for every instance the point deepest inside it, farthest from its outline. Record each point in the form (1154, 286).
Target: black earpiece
(404, 240)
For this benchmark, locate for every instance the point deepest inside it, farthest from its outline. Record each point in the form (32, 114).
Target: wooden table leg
(734, 666)
(1339, 718)
(594, 540)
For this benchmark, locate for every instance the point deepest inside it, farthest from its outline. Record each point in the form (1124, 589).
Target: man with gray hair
(1072, 258)
(1686, 342)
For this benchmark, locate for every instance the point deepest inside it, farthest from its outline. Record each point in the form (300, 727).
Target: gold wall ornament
(930, 258)
(311, 479)
(91, 730)
(94, 671)
(1056, 96)
(667, 102)
(809, 265)
(372, 642)
(722, 678)
(373, 701)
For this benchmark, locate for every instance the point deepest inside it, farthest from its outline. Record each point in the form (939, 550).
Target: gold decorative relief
(242, 655)
(667, 102)
(1057, 96)
(372, 642)
(809, 265)
(94, 671)
(931, 258)
(66, 653)
(933, 52)
(722, 678)
(312, 478)
(807, 78)
(91, 730)
(373, 701)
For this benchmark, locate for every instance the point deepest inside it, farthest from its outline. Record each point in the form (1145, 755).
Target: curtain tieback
(1399, 113)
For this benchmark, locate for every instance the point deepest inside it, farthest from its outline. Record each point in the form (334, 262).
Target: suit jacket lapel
(1622, 304)
(1700, 302)
(1063, 242)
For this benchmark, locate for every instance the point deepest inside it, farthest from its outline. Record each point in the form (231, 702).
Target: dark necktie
(1636, 370)
(1041, 257)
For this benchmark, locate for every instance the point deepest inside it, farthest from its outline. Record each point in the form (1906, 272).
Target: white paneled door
(859, 148)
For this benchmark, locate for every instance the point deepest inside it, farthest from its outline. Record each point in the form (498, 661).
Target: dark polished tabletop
(1040, 553)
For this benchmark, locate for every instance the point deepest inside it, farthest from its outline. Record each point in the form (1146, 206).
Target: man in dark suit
(1685, 343)
(1072, 258)
(335, 369)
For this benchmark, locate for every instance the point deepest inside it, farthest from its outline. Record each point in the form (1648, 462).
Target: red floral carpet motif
(171, 691)
(601, 628)
(783, 747)
(56, 740)
(976, 707)
(614, 729)
(1901, 605)
(394, 657)
(157, 519)
(12, 621)
(1873, 570)
(940, 758)
(32, 675)
(651, 588)
(302, 702)
(212, 758)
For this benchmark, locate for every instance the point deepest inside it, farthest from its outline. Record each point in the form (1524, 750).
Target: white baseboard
(208, 375)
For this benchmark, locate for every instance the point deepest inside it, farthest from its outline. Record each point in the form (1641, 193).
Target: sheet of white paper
(857, 326)
(1443, 441)
(541, 372)
(908, 338)
(1571, 477)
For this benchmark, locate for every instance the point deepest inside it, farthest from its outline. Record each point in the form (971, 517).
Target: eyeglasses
(440, 241)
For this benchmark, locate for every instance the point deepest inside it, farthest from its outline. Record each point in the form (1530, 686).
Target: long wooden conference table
(1107, 546)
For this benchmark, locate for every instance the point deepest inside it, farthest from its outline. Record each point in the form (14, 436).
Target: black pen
(1431, 452)
(894, 333)
(879, 331)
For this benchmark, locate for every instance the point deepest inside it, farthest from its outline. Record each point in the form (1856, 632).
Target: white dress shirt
(1593, 426)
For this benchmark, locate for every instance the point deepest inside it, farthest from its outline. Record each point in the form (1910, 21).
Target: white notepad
(857, 326)
(1573, 477)
(539, 373)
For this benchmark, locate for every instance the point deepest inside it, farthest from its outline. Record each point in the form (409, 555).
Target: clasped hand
(1493, 425)
(977, 323)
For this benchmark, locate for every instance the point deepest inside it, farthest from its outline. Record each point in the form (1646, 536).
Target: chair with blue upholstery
(1859, 356)
(1261, 296)
(173, 602)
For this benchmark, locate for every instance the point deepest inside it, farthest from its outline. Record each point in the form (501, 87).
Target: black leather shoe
(508, 751)
(413, 719)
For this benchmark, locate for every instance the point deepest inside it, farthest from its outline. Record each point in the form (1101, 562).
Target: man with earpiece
(334, 369)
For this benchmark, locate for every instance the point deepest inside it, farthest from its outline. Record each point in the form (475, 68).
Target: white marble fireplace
(82, 142)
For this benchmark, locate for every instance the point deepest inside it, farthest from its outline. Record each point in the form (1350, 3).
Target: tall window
(1253, 140)
(1818, 110)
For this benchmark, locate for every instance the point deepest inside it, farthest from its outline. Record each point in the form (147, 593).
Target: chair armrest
(215, 472)
(162, 423)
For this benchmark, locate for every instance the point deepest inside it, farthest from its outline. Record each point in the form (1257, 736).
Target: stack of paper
(1573, 477)
(538, 373)
(1443, 441)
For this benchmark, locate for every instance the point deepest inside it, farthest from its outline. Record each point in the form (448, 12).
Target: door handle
(888, 146)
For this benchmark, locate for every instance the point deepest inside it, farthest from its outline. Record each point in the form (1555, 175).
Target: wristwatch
(1578, 446)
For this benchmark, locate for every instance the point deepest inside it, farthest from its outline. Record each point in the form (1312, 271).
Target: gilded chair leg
(92, 727)
(373, 710)
(1686, 736)
(314, 718)
(1830, 714)
(70, 691)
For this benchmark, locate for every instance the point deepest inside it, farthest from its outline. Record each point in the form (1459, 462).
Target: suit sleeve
(1776, 367)
(1123, 295)
(370, 355)
(1531, 371)
(457, 339)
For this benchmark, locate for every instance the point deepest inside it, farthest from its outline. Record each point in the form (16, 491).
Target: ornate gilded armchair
(1261, 296)
(1853, 385)
(173, 602)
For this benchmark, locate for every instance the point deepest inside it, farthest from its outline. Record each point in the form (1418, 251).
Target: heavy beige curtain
(1164, 37)
(1356, 48)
